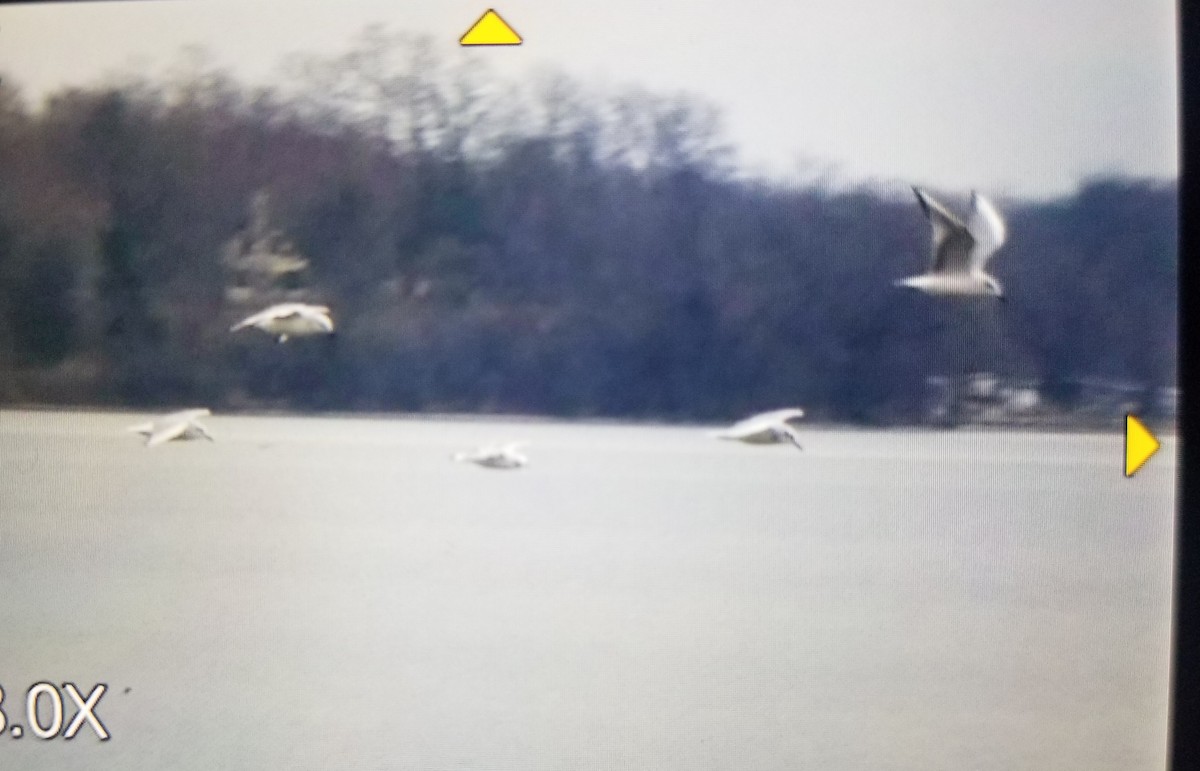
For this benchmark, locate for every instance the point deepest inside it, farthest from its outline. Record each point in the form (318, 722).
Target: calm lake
(312, 593)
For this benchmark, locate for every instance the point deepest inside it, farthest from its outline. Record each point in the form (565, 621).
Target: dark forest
(544, 249)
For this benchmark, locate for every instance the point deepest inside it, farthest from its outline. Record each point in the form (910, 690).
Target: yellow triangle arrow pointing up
(490, 30)
(1140, 444)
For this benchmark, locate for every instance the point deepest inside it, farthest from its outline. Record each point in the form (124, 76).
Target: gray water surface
(336, 594)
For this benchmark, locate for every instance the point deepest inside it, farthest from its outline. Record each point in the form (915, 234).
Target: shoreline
(1163, 430)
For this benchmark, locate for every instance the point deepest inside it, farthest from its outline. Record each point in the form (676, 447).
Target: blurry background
(682, 211)
(676, 213)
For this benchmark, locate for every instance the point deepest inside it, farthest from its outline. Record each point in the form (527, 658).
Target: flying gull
(177, 425)
(765, 428)
(960, 251)
(506, 456)
(290, 320)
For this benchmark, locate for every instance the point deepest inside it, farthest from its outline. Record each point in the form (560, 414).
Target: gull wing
(762, 421)
(197, 429)
(744, 428)
(987, 228)
(275, 312)
(167, 433)
(952, 241)
(321, 316)
(790, 433)
(185, 416)
(782, 416)
(250, 321)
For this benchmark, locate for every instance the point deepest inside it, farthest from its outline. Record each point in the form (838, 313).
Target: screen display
(673, 385)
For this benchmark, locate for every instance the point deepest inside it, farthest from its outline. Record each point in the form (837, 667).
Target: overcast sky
(1021, 97)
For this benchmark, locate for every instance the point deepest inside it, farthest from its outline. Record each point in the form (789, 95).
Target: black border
(1185, 706)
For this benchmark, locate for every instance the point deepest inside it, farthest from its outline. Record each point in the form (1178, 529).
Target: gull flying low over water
(177, 425)
(290, 320)
(960, 251)
(506, 456)
(765, 428)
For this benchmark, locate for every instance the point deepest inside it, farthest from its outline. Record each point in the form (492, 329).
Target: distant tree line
(550, 249)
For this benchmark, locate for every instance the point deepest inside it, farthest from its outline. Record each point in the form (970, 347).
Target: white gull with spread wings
(178, 425)
(507, 456)
(772, 427)
(960, 251)
(290, 320)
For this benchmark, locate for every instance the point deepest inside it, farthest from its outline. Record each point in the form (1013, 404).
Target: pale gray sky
(1011, 96)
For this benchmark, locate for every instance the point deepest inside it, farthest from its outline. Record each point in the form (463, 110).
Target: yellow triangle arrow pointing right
(1140, 444)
